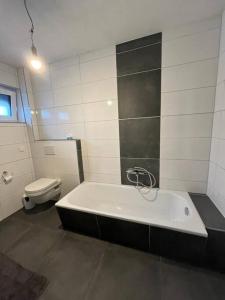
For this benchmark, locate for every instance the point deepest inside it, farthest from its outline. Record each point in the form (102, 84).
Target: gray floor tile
(71, 266)
(126, 274)
(10, 231)
(31, 249)
(48, 218)
(80, 267)
(180, 281)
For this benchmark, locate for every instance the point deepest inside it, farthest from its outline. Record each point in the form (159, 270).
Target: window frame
(13, 96)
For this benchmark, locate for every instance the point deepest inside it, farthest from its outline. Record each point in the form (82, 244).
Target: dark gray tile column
(139, 100)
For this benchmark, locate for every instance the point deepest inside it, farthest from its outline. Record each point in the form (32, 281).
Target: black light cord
(31, 21)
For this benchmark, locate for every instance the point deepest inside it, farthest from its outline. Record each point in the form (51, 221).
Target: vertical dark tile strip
(80, 161)
(139, 43)
(139, 60)
(139, 103)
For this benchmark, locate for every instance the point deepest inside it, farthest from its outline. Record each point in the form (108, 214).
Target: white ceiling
(65, 27)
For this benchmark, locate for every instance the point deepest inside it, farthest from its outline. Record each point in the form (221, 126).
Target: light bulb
(36, 63)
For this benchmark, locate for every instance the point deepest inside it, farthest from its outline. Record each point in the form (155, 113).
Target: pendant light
(35, 61)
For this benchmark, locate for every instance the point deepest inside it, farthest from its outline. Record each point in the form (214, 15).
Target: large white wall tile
(97, 54)
(68, 95)
(188, 101)
(12, 135)
(185, 148)
(102, 130)
(45, 116)
(219, 156)
(100, 90)
(189, 76)
(64, 63)
(211, 179)
(63, 164)
(191, 29)
(103, 178)
(101, 111)
(11, 200)
(219, 124)
(8, 79)
(214, 150)
(184, 126)
(76, 131)
(183, 185)
(43, 99)
(18, 168)
(69, 114)
(61, 148)
(48, 132)
(192, 170)
(98, 69)
(41, 81)
(222, 39)
(221, 68)
(103, 148)
(65, 76)
(191, 48)
(9, 153)
(220, 96)
(104, 165)
(219, 190)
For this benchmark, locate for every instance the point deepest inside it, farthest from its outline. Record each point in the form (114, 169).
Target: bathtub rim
(63, 203)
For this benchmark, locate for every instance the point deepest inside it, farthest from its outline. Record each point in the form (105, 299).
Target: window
(8, 110)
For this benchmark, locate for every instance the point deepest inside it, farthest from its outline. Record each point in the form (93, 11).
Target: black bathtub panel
(124, 232)
(80, 222)
(177, 245)
(215, 250)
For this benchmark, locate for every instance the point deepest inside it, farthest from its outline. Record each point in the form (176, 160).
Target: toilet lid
(40, 185)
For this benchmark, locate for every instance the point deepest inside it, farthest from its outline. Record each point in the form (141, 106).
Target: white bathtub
(124, 202)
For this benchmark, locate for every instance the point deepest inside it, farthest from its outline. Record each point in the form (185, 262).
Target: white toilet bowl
(43, 190)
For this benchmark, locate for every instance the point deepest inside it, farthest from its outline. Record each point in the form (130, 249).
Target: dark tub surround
(139, 100)
(177, 245)
(80, 161)
(160, 241)
(215, 226)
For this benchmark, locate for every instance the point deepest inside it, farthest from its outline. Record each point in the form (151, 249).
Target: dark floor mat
(17, 283)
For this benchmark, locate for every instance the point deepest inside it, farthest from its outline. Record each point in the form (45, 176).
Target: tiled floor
(80, 267)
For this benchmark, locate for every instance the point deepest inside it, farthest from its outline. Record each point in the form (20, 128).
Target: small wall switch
(49, 150)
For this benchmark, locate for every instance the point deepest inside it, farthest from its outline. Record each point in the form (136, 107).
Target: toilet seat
(41, 186)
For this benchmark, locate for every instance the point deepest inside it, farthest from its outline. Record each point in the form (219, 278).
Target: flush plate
(49, 150)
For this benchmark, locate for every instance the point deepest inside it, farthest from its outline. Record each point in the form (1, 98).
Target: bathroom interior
(112, 149)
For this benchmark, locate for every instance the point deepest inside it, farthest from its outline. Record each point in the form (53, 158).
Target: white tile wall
(15, 158)
(103, 90)
(199, 46)
(81, 101)
(8, 76)
(101, 111)
(98, 69)
(68, 96)
(186, 148)
(200, 100)
(189, 76)
(63, 164)
(78, 97)
(194, 125)
(102, 130)
(216, 179)
(189, 59)
(191, 29)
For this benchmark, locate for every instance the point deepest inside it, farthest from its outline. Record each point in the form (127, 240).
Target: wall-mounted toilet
(43, 190)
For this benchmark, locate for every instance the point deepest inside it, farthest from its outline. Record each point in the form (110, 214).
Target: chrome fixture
(140, 186)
